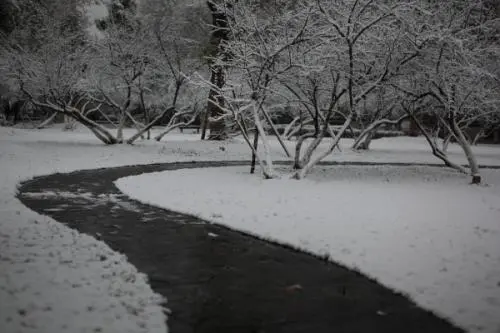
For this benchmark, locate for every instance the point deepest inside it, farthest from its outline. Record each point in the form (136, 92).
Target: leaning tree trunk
(301, 173)
(69, 123)
(478, 136)
(369, 133)
(220, 34)
(99, 131)
(446, 142)
(47, 121)
(268, 171)
(436, 151)
(464, 143)
(365, 144)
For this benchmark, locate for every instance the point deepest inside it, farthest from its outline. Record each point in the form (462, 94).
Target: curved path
(217, 279)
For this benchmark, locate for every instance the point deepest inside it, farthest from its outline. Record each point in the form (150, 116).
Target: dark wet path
(218, 280)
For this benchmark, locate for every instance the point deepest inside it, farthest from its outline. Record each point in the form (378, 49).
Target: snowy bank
(421, 230)
(53, 279)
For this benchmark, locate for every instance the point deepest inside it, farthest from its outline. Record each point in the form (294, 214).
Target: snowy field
(421, 230)
(52, 280)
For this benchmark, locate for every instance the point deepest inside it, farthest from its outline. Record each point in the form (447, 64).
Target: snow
(421, 230)
(54, 279)
(87, 198)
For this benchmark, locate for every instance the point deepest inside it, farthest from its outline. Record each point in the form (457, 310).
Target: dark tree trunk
(145, 111)
(365, 145)
(255, 146)
(218, 127)
(413, 131)
(220, 34)
(15, 110)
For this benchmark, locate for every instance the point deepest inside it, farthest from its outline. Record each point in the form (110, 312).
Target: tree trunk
(173, 126)
(297, 130)
(218, 127)
(268, 172)
(369, 132)
(220, 34)
(254, 152)
(435, 149)
(464, 143)
(312, 162)
(121, 125)
(289, 127)
(69, 123)
(478, 137)
(446, 142)
(47, 121)
(298, 147)
(99, 131)
(413, 130)
(244, 132)
(204, 123)
(145, 110)
(275, 131)
(148, 127)
(365, 145)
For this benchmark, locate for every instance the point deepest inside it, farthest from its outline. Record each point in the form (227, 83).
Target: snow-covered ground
(421, 230)
(53, 279)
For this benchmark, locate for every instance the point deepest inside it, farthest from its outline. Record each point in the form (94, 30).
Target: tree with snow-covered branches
(322, 56)
(455, 77)
(135, 62)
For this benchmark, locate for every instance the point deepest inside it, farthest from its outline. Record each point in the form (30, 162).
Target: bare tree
(173, 60)
(120, 61)
(364, 37)
(257, 47)
(455, 73)
(52, 73)
(382, 110)
(298, 55)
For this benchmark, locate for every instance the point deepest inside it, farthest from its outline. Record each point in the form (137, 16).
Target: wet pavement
(217, 279)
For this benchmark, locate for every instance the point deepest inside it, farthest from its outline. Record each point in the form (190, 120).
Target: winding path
(217, 279)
